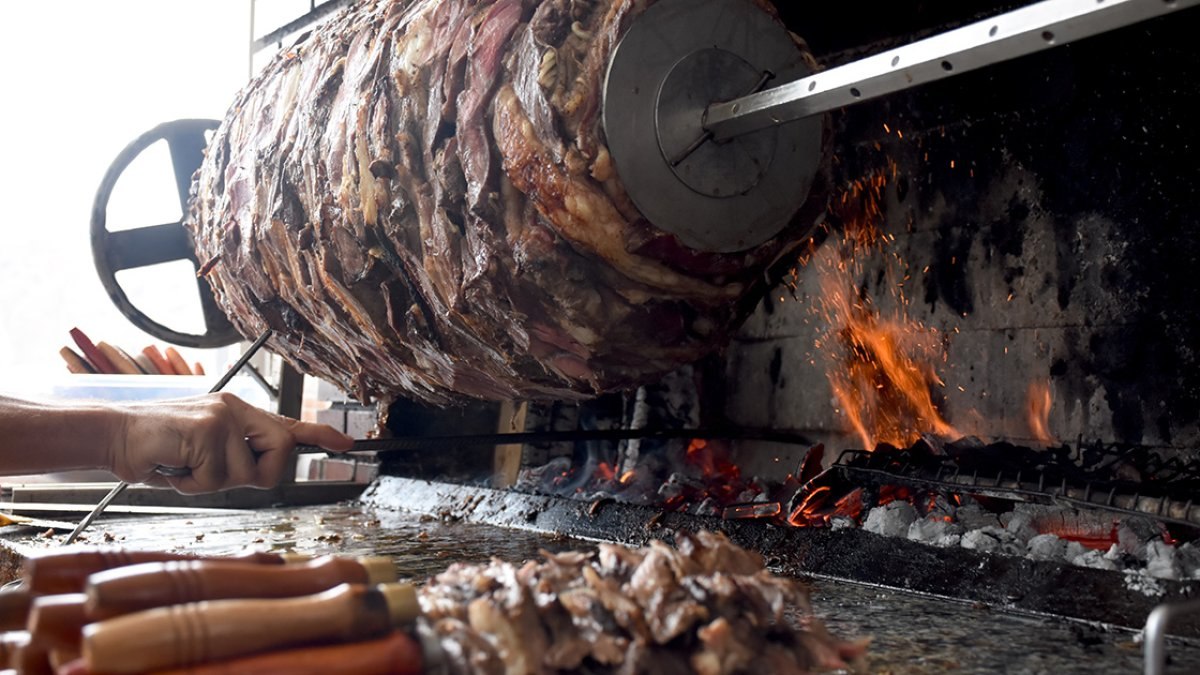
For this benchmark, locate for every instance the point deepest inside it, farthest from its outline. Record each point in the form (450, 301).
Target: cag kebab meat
(418, 200)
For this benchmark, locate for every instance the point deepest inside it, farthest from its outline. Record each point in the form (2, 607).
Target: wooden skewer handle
(68, 572)
(395, 654)
(11, 643)
(57, 621)
(14, 608)
(137, 587)
(188, 635)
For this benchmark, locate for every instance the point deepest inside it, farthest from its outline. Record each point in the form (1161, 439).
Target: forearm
(218, 441)
(44, 437)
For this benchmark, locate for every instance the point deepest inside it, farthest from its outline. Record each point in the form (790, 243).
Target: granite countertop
(910, 633)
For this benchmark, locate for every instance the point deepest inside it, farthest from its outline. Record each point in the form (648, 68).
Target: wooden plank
(507, 462)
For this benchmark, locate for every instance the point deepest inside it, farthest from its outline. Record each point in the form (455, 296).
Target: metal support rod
(314, 15)
(1007, 36)
(1154, 646)
(413, 443)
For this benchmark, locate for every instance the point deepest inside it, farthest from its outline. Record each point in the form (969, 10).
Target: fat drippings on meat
(417, 198)
(704, 607)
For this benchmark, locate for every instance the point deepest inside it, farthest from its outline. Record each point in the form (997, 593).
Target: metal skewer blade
(175, 471)
(95, 513)
(1007, 36)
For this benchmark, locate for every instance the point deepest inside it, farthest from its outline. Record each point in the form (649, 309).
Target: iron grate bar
(1088, 494)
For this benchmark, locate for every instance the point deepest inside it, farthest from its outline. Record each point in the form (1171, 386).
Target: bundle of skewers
(703, 606)
(104, 358)
(117, 611)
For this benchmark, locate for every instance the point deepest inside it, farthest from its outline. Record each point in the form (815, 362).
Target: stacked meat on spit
(418, 200)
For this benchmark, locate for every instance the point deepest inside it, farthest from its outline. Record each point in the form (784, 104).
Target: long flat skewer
(1023, 31)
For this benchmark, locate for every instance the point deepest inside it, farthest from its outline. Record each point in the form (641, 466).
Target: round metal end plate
(712, 169)
(678, 57)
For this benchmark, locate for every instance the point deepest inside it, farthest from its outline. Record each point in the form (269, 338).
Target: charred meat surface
(418, 200)
(705, 607)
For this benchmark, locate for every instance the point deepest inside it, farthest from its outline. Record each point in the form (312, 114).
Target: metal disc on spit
(678, 57)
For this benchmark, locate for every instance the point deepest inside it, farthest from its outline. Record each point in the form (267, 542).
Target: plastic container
(128, 388)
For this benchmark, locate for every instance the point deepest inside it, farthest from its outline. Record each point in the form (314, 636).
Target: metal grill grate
(1048, 477)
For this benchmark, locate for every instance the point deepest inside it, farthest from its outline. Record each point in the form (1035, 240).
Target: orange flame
(880, 369)
(885, 386)
(1037, 407)
(604, 471)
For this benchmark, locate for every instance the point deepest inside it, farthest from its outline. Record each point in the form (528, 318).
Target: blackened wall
(1063, 244)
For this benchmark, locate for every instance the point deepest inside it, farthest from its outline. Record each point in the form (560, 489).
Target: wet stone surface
(911, 633)
(915, 634)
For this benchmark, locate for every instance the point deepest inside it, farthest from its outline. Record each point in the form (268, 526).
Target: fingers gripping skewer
(169, 471)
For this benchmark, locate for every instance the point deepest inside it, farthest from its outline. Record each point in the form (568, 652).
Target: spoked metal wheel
(114, 251)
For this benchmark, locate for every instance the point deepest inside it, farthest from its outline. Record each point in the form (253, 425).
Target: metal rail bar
(1007, 36)
(1154, 645)
(475, 440)
(1036, 487)
(315, 14)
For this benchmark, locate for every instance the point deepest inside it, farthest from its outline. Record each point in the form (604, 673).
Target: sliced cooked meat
(706, 607)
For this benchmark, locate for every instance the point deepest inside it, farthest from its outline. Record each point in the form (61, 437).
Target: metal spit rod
(1007, 36)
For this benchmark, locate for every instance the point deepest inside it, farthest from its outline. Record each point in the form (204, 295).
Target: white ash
(936, 530)
(841, 523)
(1022, 520)
(708, 507)
(941, 506)
(1143, 583)
(992, 539)
(677, 484)
(892, 519)
(975, 517)
(1188, 559)
(1161, 560)
(1028, 530)
(751, 496)
(1047, 547)
(1134, 533)
(1082, 556)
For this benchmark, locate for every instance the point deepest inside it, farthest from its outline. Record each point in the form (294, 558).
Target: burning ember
(699, 477)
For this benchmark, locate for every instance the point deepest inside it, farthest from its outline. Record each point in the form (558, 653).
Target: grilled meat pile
(417, 198)
(705, 607)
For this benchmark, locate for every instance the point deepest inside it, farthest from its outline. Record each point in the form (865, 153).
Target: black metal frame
(275, 36)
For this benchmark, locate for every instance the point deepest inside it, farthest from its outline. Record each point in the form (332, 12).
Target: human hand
(223, 440)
